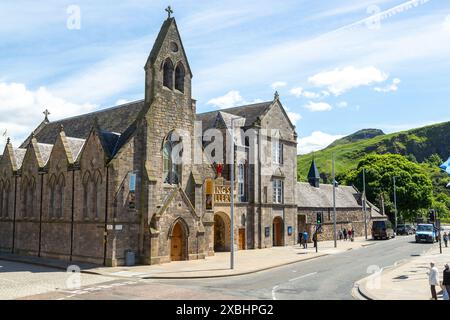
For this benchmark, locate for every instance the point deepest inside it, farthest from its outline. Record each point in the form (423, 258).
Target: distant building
(314, 197)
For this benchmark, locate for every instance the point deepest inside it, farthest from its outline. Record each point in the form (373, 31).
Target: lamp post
(232, 195)
(334, 204)
(395, 202)
(364, 204)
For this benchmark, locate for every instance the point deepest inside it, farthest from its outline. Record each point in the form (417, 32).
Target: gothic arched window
(168, 74)
(52, 204)
(25, 186)
(2, 192)
(86, 186)
(6, 193)
(171, 166)
(60, 195)
(179, 77)
(31, 197)
(96, 200)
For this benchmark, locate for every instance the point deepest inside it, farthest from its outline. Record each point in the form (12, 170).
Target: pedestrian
(305, 239)
(340, 235)
(446, 281)
(446, 239)
(315, 239)
(349, 232)
(345, 234)
(433, 279)
(300, 237)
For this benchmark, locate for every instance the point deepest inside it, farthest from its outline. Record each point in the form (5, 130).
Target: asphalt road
(326, 278)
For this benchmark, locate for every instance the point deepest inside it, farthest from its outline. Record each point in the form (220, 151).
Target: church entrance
(277, 232)
(222, 229)
(177, 243)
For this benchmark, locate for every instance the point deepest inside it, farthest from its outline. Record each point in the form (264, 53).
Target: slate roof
(19, 155)
(250, 112)
(75, 146)
(45, 150)
(116, 119)
(322, 197)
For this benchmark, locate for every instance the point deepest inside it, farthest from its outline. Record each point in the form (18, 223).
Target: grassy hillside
(417, 144)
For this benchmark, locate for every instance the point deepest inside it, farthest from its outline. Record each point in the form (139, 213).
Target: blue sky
(339, 65)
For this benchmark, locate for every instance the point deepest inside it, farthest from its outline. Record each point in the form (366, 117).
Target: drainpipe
(260, 192)
(14, 214)
(106, 218)
(40, 215)
(73, 214)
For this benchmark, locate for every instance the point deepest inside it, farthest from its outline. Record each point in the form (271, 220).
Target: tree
(413, 186)
(434, 160)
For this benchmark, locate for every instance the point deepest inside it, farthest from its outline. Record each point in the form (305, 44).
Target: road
(326, 278)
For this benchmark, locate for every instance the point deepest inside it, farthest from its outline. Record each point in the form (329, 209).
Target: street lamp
(334, 204)
(395, 202)
(232, 194)
(365, 202)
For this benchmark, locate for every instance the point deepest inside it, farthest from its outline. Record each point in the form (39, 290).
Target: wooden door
(176, 252)
(241, 239)
(277, 232)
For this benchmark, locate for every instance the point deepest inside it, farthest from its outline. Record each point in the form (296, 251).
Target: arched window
(25, 187)
(96, 200)
(31, 197)
(86, 186)
(52, 203)
(6, 194)
(171, 166)
(179, 77)
(60, 188)
(168, 74)
(2, 192)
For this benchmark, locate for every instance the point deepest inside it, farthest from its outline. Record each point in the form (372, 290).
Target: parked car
(382, 230)
(405, 229)
(426, 232)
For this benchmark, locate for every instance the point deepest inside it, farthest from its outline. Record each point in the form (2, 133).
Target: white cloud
(294, 117)
(341, 80)
(278, 84)
(318, 106)
(229, 100)
(318, 140)
(28, 106)
(342, 104)
(300, 92)
(392, 87)
(446, 23)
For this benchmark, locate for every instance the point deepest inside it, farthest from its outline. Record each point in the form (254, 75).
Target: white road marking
(274, 290)
(306, 275)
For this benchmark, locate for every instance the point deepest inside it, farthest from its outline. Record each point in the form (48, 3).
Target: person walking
(341, 235)
(350, 231)
(305, 240)
(445, 239)
(433, 279)
(446, 281)
(345, 234)
(315, 239)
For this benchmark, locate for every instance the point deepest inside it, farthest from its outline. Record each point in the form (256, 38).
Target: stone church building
(92, 187)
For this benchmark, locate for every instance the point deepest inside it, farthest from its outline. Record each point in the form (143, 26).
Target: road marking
(306, 275)
(273, 292)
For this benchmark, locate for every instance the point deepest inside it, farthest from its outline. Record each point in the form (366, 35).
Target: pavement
(246, 262)
(406, 279)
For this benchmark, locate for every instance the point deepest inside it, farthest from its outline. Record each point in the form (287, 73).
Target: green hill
(416, 144)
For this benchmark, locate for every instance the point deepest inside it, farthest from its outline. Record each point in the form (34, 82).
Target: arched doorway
(222, 225)
(277, 232)
(178, 243)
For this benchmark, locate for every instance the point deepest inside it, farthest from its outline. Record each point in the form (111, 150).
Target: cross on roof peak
(46, 113)
(169, 11)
